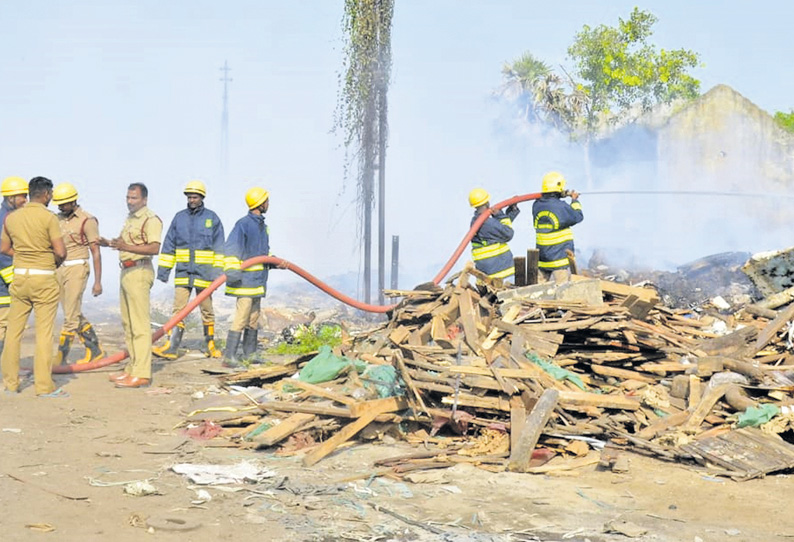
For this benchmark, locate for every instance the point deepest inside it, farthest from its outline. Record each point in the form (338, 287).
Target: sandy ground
(64, 462)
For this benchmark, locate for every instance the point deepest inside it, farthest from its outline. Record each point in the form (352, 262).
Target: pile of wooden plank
(624, 371)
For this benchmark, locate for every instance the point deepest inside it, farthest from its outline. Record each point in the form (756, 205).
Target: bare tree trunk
(368, 147)
(382, 135)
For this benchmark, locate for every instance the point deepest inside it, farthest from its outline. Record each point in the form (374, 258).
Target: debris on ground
(510, 379)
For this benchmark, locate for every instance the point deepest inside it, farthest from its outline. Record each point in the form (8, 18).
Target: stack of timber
(501, 381)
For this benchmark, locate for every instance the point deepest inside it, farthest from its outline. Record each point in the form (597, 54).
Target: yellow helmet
(553, 181)
(256, 196)
(14, 186)
(195, 187)
(64, 193)
(478, 197)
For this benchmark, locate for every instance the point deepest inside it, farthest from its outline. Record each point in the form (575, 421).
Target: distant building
(719, 143)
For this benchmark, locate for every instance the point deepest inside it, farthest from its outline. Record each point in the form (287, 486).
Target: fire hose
(281, 263)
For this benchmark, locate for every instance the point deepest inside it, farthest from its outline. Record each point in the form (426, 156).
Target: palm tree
(527, 81)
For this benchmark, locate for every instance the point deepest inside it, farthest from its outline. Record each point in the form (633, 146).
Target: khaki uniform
(31, 231)
(246, 315)
(137, 277)
(80, 230)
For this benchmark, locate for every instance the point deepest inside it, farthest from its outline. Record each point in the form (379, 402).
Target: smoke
(723, 150)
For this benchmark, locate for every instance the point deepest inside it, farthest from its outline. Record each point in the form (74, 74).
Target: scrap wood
(282, 430)
(414, 397)
(572, 464)
(704, 407)
(320, 391)
(366, 412)
(521, 455)
(773, 327)
(262, 373)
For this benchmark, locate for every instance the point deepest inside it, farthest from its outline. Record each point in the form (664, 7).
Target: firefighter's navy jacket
(489, 248)
(6, 262)
(553, 219)
(194, 244)
(249, 238)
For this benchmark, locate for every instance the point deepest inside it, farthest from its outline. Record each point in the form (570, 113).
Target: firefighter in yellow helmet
(81, 236)
(489, 248)
(249, 238)
(15, 195)
(194, 246)
(552, 219)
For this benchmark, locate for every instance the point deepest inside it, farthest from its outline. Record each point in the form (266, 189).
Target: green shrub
(309, 339)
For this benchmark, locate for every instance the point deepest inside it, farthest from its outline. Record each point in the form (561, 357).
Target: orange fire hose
(284, 264)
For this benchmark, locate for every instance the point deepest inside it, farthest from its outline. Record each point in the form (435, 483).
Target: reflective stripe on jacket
(552, 219)
(194, 245)
(489, 248)
(250, 237)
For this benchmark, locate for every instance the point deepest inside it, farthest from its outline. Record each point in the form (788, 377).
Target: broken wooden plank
(606, 370)
(529, 434)
(279, 432)
(306, 407)
(583, 398)
(707, 402)
(366, 411)
(319, 391)
(518, 417)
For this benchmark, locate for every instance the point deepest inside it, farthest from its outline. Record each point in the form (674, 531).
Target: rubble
(508, 379)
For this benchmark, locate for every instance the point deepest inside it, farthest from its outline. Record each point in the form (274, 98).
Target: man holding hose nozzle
(552, 219)
(489, 248)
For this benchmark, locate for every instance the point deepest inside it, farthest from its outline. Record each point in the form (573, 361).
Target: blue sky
(103, 93)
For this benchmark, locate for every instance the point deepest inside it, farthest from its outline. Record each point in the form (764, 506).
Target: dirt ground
(64, 464)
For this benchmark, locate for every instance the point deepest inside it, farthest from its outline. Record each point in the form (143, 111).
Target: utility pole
(225, 119)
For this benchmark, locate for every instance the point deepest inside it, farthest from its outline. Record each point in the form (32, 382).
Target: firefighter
(489, 248)
(194, 245)
(249, 238)
(552, 219)
(15, 195)
(81, 236)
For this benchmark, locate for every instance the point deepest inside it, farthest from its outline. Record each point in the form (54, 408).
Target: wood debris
(627, 371)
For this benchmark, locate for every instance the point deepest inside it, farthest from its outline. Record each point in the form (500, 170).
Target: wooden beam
(530, 432)
(583, 398)
(309, 408)
(367, 412)
(533, 257)
(279, 432)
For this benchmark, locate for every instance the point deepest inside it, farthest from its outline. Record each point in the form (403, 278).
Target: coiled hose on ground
(281, 263)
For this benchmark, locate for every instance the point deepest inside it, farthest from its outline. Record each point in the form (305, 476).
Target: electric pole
(225, 119)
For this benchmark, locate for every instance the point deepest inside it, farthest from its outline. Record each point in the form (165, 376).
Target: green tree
(617, 75)
(623, 74)
(785, 120)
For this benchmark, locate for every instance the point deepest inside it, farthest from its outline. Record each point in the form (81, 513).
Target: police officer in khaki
(138, 243)
(15, 194)
(32, 236)
(81, 236)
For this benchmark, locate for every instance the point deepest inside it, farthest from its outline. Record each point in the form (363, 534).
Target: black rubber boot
(93, 351)
(230, 358)
(249, 342)
(171, 349)
(64, 345)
